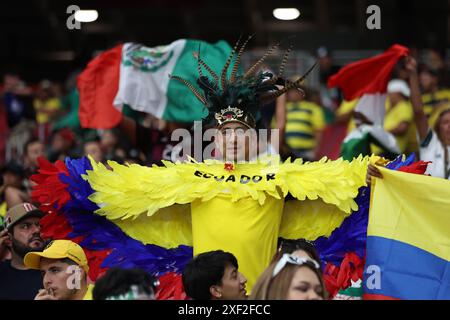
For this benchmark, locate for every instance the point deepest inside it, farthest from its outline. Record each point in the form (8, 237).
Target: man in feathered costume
(149, 217)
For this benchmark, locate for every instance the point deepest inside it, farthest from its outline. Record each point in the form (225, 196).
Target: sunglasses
(288, 258)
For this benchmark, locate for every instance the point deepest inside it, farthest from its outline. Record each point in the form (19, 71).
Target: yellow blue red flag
(408, 238)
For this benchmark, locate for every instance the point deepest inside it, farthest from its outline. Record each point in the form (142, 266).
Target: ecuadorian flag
(408, 238)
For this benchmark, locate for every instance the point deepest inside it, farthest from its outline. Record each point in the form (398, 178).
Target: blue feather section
(350, 236)
(101, 234)
(398, 163)
(78, 188)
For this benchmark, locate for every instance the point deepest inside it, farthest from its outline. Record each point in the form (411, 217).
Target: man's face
(233, 284)
(57, 278)
(33, 152)
(26, 236)
(236, 142)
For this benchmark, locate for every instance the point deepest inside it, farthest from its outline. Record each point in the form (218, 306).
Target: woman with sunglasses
(290, 278)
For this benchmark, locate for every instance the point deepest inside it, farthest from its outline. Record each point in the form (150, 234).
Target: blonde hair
(276, 288)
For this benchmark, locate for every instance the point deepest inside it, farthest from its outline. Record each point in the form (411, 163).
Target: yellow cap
(58, 249)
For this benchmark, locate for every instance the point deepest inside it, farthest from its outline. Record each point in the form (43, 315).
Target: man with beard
(21, 235)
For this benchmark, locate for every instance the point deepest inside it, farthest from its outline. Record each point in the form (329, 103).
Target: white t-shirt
(432, 149)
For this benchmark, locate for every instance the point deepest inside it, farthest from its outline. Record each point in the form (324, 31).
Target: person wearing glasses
(290, 278)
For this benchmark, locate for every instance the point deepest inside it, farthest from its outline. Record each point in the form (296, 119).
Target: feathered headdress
(239, 98)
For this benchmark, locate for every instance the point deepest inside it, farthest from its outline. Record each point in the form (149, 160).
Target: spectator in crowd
(125, 284)
(12, 175)
(47, 106)
(17, 101)
(20, 236)
(399, 114)
(305, 122)
(435, 139)
(93, 149)
(64, 267)
(290, 278)
(326, 69)
(63, 143)
(299, 247)
(109, 143)
(214, 275)
(17, 138)
(33, 150)
(433, 93)
(17, 98)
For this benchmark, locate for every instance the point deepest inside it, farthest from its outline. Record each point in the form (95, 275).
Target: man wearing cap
(399, 115)
(21, 236)
(64, 267)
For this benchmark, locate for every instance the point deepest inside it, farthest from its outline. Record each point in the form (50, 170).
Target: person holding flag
(367, 82)
(434, 140)
(434, 137)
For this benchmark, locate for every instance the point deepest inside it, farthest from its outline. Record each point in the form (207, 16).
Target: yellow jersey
(431, 100)
(245, 221)
(303, 120)
(42, 108)
(402, 112)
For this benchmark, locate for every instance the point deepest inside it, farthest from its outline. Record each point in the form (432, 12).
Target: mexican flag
(138, 76)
